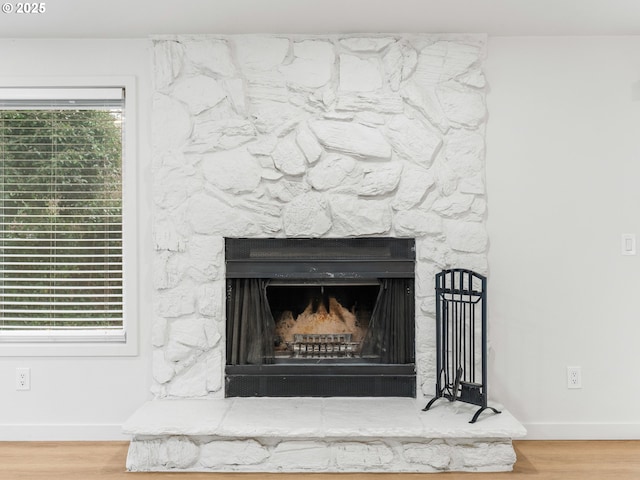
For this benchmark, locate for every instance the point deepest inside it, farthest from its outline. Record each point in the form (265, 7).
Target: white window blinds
(61, 209)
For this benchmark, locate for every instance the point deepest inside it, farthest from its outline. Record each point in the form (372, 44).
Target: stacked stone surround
(318, 435)
(307, 136)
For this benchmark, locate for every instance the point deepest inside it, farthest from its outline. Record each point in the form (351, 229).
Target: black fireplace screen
(320, 317)
(388, 335)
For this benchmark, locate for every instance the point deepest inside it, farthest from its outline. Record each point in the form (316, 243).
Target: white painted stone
(474, 78)
(461, 105)
(260, 52)
(307, 455)
(264, 146)
(235, 171)
(176, 302)
(178, 453)
(189, 332)
(359, 75)
(479, 208)
(425, 276)
(353, 216)
(453, 205)
(276, 118)
(367, 44)
(208, 299)
(205, 255)
(464, 152)
(379, 102)
(354, 139)
(171, 123)
(472, 261)
(199, 93)
(340, 116)
(220, 128)
(414, 184)
(332, 171)
(215, 371)
(467, 236)
(436, 454)
(362, 455)
(167, 237)
(426, 102)
(473, 185)
(167, 63)
(143, 455)
(312, 64)
(443, 61)
(169, 269)
(436, 251)
(392, 63)
(287, 190)
(413, 223)
(413, 140)
(288, 158)
(446, 179)
(342, 430)
(211, 216)
(210, 56)
(158, 331)
(171, 187)
(308, 143)
(399, 63)
(232, 452)
(487, 454)
(211, 332)
(306, 216)
(360, 418)
(163, 371)
(190, 383)
(379, 179)
(371, 119)
(235, 93)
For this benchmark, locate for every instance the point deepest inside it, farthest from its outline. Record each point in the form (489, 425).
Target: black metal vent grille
(284, 249)
(326, 386)
(320, 257)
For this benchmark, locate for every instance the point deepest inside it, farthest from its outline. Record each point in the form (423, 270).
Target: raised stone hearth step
(318, 434)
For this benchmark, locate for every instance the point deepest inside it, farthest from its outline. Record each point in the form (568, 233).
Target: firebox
(320, 317)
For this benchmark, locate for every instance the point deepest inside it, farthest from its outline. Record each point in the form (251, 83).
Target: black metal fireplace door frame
(383, 260)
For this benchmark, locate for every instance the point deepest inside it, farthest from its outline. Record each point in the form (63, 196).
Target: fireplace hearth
(320, 317)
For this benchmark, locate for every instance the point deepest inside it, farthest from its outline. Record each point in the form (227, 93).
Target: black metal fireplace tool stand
(461, 339)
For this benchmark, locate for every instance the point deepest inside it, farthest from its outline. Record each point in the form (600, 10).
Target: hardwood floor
(549, 460)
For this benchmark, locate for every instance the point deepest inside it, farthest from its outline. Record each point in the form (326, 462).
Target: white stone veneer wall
(308, 136)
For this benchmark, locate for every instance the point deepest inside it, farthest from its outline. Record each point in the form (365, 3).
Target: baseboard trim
(61, 432)
(582, 431)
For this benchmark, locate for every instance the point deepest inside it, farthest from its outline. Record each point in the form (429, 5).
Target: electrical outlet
(574, 377)
(23, 378)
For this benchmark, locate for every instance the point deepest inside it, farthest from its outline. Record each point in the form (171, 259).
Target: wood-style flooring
(561, 460)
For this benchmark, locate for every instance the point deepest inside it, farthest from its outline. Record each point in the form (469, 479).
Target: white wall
(84, 397)
(563, 182)
(562, 172)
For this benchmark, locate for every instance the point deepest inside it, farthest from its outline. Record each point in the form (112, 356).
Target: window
(61, 215)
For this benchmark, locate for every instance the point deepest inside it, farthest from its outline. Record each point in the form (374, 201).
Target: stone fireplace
(309, 137)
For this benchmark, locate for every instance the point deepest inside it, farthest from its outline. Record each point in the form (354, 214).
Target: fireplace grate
(319, 345)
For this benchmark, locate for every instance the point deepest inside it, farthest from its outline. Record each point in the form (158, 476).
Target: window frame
(94, 342)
